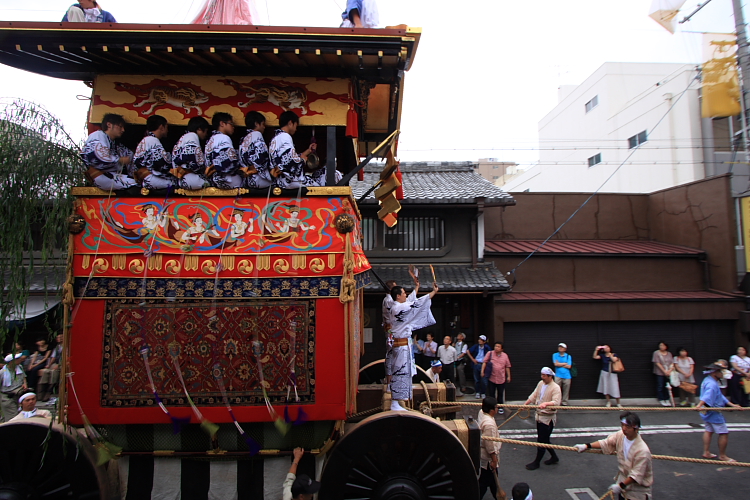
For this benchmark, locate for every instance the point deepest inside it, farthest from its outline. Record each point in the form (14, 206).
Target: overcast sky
(486, 71)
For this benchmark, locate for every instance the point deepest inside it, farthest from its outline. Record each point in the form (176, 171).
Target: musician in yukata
(151, 163)
(188, 160)
(105, 156)
(222, 161)
(254, 153)
(288, 166)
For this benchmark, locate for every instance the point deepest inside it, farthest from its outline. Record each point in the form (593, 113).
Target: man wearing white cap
(28, 408)
(12, 383)
(563, 363)
(434, 372)
(547, 393)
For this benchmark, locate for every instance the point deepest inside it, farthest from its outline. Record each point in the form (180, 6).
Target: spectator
(12, 384)
(87, 11)
(299, 487)
(434, 371)
(714, 421)
(740, 373)
(37, 362)
(49, 376)
(24, 354)
(28, 408)
(635, 475)
(476, 355)
(521, 491)
(547, 393)
(461, 349)
(563, 363)
(430, 351)
(417, 347)
(447, 356)
(498, 374)
(609, 385)
(685, 367)
(489, 453)
(663, 361)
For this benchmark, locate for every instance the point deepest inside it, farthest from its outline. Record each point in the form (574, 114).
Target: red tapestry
(231, 341)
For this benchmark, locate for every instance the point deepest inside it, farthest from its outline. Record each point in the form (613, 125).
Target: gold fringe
(332, 258)
(119, 261)
(86, 261)
(299, 261)
(227, 262)
(154, 262)
(263, 262)
(191, 263)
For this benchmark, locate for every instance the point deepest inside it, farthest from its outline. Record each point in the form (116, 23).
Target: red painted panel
(86, 356)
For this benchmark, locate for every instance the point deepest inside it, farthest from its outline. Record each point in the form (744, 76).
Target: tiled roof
(450, 278)
(697, 295)
(48, 279)
(433, 182)
(589, 247)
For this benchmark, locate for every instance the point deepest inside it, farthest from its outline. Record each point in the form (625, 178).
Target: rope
(426, 393)
(517, 414)
(609, 494)
(365, 413)
(656, 457)
(595, 408)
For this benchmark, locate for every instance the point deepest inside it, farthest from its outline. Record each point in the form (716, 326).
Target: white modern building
(638, 123)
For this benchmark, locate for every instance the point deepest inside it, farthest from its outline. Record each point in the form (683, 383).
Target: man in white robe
(286, 165)
(254, 153)
(222, 161)
(188, 160)
(406, 314)
(151, 163)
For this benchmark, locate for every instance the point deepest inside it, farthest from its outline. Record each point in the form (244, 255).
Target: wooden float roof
(80, 51)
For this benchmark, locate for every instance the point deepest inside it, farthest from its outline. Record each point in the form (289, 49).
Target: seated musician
(188, 161)
(105, 156)
(151, 163)
(287, 165)
(254, 153)
(222, 161)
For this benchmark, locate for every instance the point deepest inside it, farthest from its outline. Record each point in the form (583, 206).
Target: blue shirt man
(563, 362)
(476, 353)
(712, 397)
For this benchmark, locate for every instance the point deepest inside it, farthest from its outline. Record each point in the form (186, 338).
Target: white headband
(27, 395)
(547, 371)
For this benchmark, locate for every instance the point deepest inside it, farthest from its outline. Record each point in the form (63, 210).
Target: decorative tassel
(252, 444)
(208, 426)
(177, 422)
(105, 451)
(352, 123)
(400, 188)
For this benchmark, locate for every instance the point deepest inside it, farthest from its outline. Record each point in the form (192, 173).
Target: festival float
(209, 333)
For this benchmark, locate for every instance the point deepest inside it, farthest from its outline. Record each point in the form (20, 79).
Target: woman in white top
(685, 366)
(741, 372)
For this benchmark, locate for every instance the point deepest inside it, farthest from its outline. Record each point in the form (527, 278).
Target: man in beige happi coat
(547, 393)
(635, 475)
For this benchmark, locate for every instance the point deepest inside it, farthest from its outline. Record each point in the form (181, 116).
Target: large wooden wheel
(39, 462)
(399, 456)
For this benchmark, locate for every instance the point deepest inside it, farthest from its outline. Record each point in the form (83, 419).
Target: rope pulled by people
(655, 457)
(595, 408)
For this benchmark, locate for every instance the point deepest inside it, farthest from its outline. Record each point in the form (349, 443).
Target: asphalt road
(666, 433)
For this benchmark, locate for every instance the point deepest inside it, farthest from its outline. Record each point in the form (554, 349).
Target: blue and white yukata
(368, 13)
(103, 154)
(188, 155)
(221, 155)
(150, 154)
(404, 318)
(284, 157)
(254, 154)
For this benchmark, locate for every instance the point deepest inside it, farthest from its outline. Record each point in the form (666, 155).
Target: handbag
(688, 387)
(674, 379)
(617, 366)
(573, 370)
(488, 367)
(746, 385)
